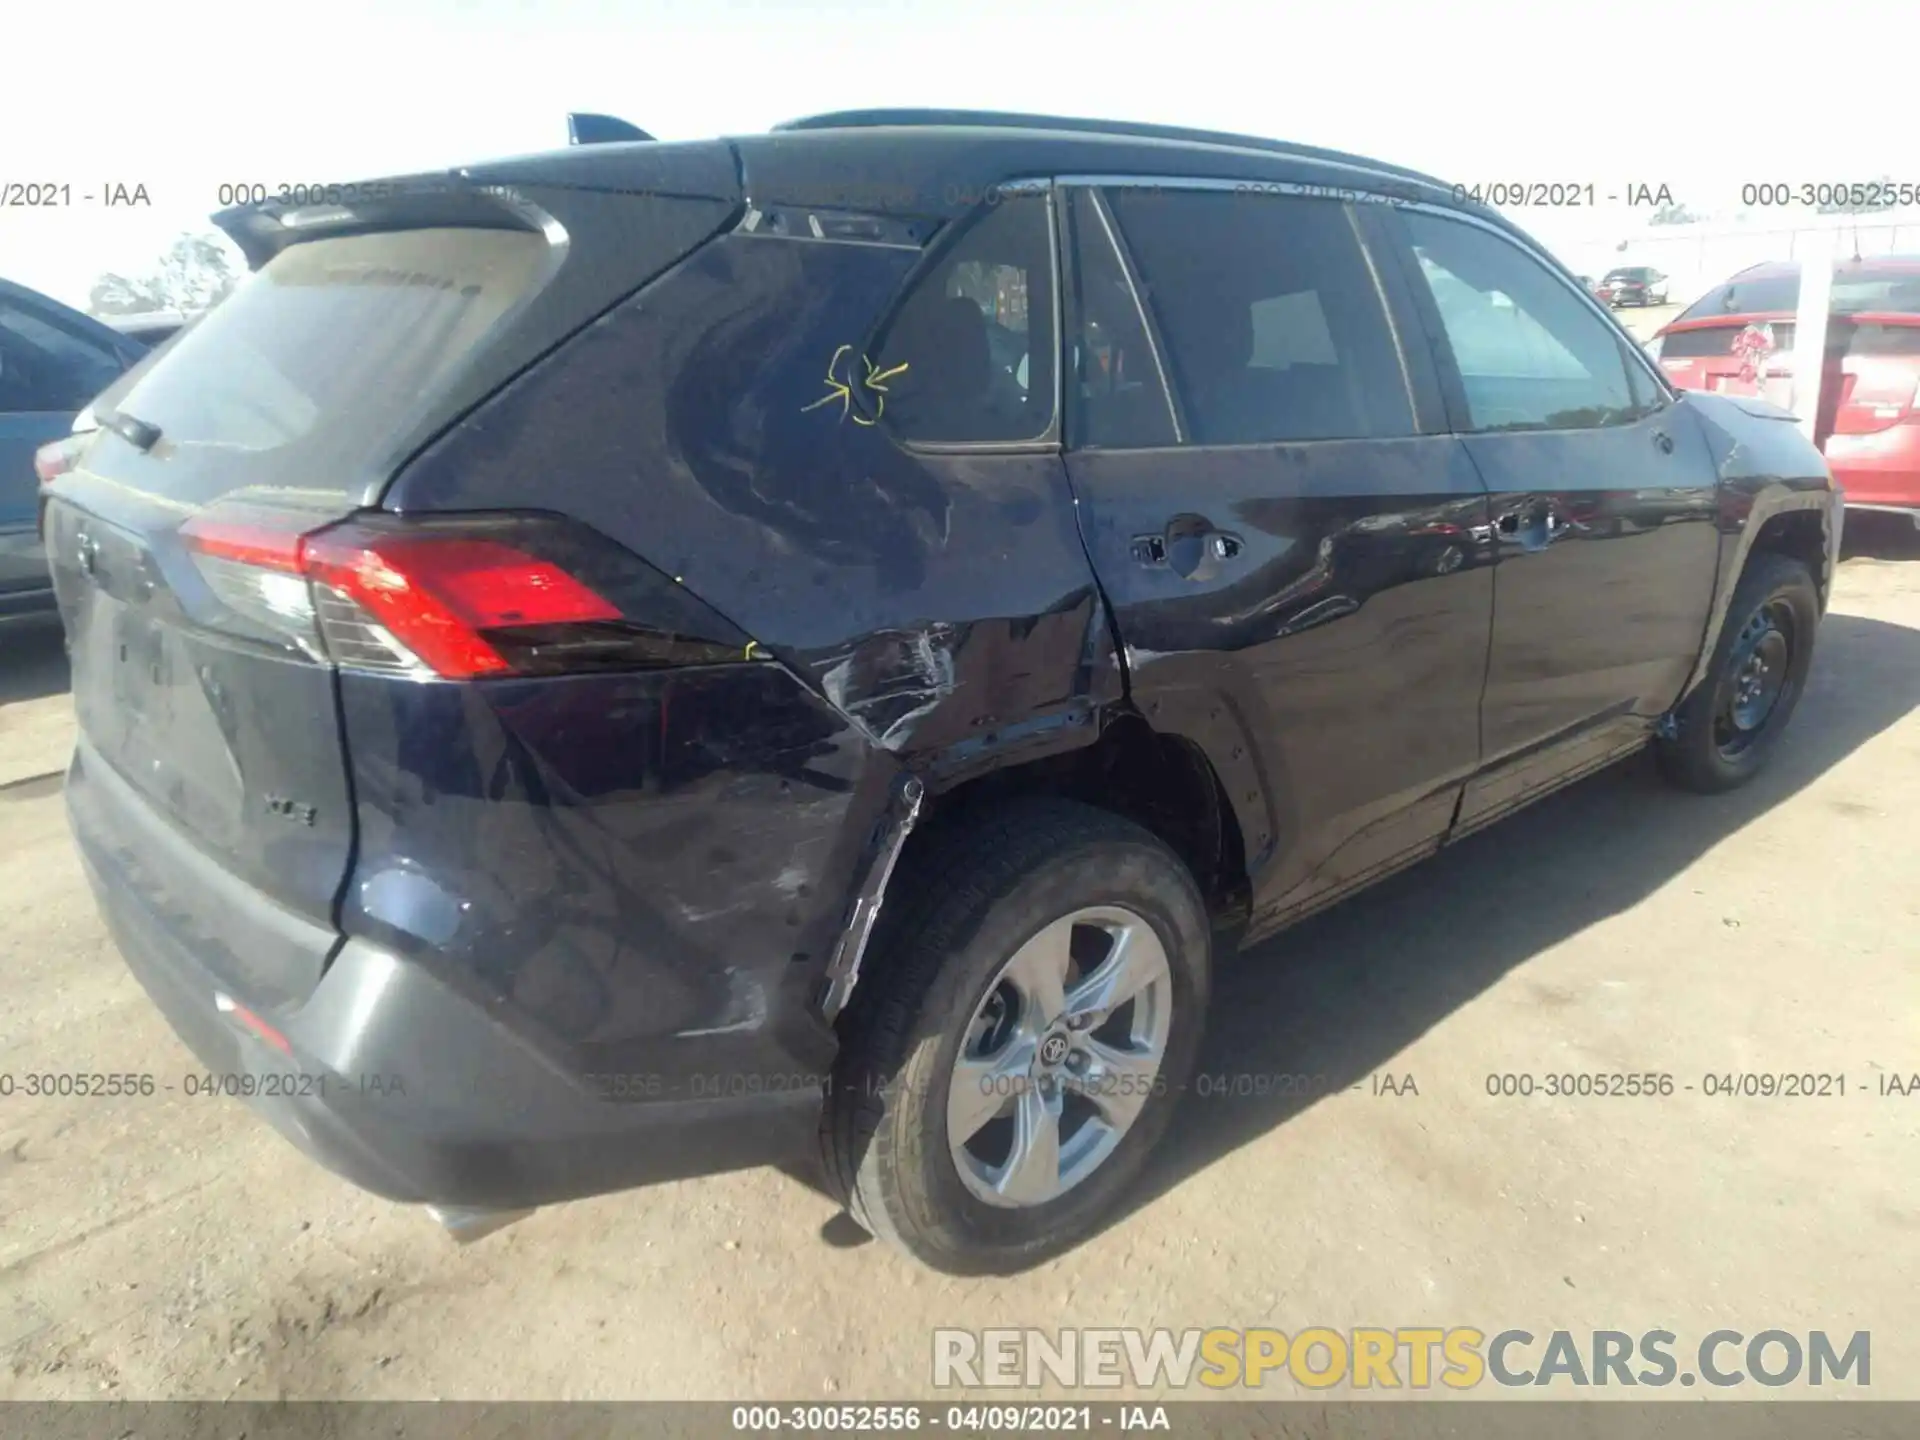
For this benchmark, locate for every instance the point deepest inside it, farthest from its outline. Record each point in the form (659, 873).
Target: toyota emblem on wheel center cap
(1053, 1049)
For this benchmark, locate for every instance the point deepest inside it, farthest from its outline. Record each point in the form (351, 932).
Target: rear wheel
(1730, 724)
(1028, 1021)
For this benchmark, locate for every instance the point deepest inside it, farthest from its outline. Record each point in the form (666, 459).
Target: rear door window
(1272, 320)
(49, 367)
(300, 378)
(969, 355)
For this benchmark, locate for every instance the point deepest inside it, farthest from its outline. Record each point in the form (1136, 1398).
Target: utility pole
(1810, 324)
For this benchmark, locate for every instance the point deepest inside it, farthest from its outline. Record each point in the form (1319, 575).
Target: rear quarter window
(968, 356)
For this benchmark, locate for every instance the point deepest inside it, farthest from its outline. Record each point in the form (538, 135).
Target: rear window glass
(303, 377)
(1894, 291)
(1716, 342)
(1844, 338)
(1902, 341)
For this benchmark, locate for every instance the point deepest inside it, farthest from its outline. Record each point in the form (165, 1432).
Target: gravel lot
(174, 1247)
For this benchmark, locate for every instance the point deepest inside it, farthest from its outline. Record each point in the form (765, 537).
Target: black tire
(973, 895)
(1709, 751)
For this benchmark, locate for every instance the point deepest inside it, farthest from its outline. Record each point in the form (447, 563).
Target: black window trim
(1049, 442)
(1631, 352)
(1149, 327)
(1348, 196)
(1426, 376)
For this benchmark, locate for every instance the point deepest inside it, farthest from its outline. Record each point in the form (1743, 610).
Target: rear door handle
(1533, 525)
(1190, 546)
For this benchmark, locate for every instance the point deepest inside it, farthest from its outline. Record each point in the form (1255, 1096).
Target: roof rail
(585, 128)
(1012, 120)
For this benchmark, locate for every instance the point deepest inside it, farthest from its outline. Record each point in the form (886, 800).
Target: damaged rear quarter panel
(623, 865)
(942, 602)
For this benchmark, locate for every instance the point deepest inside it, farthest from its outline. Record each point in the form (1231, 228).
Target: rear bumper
(398, 1080)
(1880, 471)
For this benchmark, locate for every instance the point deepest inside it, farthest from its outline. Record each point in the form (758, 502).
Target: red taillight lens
(457, 597)
(53, 460)
(268, 543)
(436, 596)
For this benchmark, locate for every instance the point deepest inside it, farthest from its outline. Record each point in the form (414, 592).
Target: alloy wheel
(1060, 1057)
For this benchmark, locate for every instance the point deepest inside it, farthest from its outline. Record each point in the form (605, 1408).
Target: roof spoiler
(586, 129)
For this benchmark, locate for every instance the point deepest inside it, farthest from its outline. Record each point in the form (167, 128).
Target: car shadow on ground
(1872, 535)
(33, 660)
(1342, 994)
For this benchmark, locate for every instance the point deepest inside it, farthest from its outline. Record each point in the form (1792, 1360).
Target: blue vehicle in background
(53, 361)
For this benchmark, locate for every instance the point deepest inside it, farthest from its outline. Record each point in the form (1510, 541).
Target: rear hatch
(211, 770)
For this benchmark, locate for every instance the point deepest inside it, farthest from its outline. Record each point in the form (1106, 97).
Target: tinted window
(1747, 296)
(44, 366)
(1119, 395)
(1897, 294)
(1532, 354)
(1716, 342)
(1883, 340)
(1272, 320)
(318, 360)
(969, 354)
(1866, 287)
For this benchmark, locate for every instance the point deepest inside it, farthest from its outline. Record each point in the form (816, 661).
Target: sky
(1699, 96)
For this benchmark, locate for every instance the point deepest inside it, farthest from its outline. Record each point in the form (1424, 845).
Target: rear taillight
(458, 599)
(53, 460)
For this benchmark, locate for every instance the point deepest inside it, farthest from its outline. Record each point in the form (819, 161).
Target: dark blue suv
(606, 666)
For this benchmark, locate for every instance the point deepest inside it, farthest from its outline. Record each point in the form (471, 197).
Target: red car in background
(1738, 338)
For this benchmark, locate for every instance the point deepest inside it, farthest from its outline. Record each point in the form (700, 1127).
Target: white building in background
(1699, 255)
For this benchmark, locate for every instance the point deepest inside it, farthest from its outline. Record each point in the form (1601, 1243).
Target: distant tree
(117, 295)
(1675, 214)
(1870, 198)
(193, 274)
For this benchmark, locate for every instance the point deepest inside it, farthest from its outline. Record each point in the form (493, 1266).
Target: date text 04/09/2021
(1563, 193)
(1741, 1084)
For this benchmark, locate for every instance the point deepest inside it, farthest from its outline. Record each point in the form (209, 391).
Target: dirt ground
(175, 1247)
